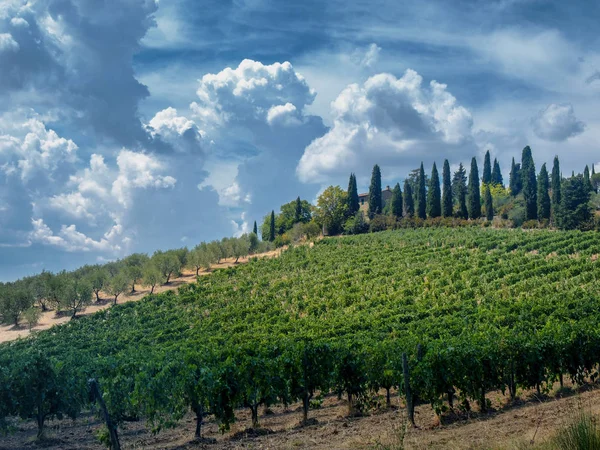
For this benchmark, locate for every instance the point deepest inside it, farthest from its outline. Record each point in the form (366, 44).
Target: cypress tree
(255, 229)
(487, 169)
(353, 204)
(272, 227)
(434, 200)
(396, 205)
(459, 187)
(555, 184)
(543, 198)
(574, 203)
(473, 192)
(375, 203)
(497, 174)
(489, 204)
(586, 179)
(447, 201)
(529, 184)
(408, 203)
(298, 211)
(515, 183)
(421, 194)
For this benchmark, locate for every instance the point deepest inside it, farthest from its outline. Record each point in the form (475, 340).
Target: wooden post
(410, 407)
(112, 429)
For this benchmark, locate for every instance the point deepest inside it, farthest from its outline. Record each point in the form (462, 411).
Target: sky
(135, 125)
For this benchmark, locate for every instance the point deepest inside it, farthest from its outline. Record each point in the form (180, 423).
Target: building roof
(366, 194)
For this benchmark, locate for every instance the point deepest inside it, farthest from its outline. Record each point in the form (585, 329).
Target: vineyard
(472, 310)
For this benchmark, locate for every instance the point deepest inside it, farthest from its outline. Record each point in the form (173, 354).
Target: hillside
(477, 311)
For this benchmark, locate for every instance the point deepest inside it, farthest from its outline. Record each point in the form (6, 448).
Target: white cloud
(232, 195)
(286, 115)
(393, 120)
(369, 57)
(68, 238)
(557, 122)
(7, 43)
(19, 22)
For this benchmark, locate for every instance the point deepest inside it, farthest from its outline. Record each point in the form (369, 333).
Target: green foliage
(447, 198)
(331, 209)
(574, 208)
(459, 191)
(375, 199)
(271, 237)
(356, 224)
(76, 294)
(421, 194)
(529, 184)
(515, 181)
(434, 205)
(396, 203)
(489, 205)
(408, 201)
(151, 275)
(556, 189)
(168, 263)
(543, 196)
(582, 433)
(473, 193)
(353, 205)
(487, 169)
(497, 174)
(15, 298)
(120, 282)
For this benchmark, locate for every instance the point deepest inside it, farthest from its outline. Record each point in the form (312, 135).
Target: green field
(474, 309)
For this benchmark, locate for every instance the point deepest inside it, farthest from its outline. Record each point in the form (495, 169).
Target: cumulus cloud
(394, 121)
(283, 114)
(249, 91)
(68, 238)
(7, 43)
(367, 58)
(179, 132)
(557, 122)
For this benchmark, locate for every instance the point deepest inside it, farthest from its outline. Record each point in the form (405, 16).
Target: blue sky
(133, 125)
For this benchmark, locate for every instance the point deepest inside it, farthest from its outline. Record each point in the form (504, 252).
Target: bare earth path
(50, 318)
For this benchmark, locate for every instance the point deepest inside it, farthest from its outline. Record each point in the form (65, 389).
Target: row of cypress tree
(422, 197)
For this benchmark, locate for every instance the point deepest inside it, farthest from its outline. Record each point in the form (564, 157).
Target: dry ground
(504, 428)
(50, 318)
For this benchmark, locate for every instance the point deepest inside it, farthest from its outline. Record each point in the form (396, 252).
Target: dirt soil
(50, 318)
(508, 425)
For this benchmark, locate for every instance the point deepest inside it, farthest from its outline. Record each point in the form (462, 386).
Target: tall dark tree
(459, 189)
(353, 203)
(543, 197)
(298, 211)
(497, 174)
(409, 202)
(272, 227)
(473, 192)
(489, 204)
(396, 203)
(255, 229)
(515, 183)
(421, 194)
(375, 201)
(529, 184)
(586, 179)
(574, 203)
(556, 187)
(447, 201)
(434, 196)
(487, 169)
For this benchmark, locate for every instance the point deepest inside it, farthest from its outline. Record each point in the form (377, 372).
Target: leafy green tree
(396, 203)
(375, 199)
(134, 264)
(529, 184)
(497, 174)
(421, 194)
(298, 211)
(152, 275)
(119, 284)
(489, 204)
(574, 204)
(356, 224)
(241, 247)
(447, 201)
(199, 258)
(32, 316)
(459, 189)
(353, 203)
(97, 280)
(408, 200)
(331, 209)
(515, 182)
(543, 197)
(77, 293)
(253, 243)
(40, 288)
(556, 187)
(586, 179)
(474, 193)
(14, 300)
(168, 263)
(255, 229)
(487, 169)
(434, 206)
(215, 248)
(45, 389)
(272, 227)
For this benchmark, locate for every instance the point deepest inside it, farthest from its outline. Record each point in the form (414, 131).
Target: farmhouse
(363, 199)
